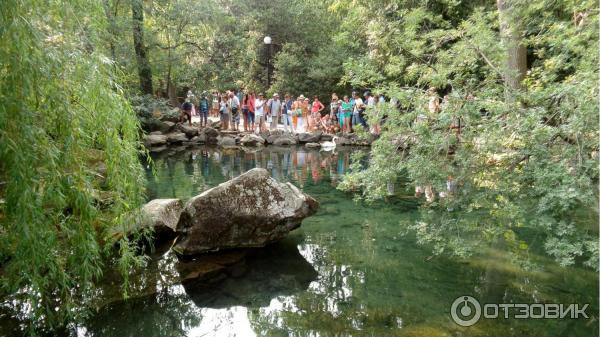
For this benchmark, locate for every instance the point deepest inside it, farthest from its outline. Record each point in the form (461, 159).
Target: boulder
(312, 145)
(198, 139)
(342, 141)
(162, 215)
(176, 137)
(251, 210)
(326, 137)
(226, 141)
(155, 140)
(166, 126)
(210, 135)
(284, 140)
(312, 137)
(190, 131)
(252, 140)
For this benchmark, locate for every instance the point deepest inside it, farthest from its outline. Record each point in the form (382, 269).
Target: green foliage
(69, 147)
(527, 161)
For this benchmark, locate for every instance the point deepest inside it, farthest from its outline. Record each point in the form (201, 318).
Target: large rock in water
(162, 215)
(251, 210)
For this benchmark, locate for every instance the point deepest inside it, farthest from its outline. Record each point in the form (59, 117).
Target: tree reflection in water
(352, 269)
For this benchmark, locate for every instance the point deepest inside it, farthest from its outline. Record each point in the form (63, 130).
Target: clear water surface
(351, 270)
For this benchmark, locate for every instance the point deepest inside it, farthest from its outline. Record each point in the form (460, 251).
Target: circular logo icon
(465, 311)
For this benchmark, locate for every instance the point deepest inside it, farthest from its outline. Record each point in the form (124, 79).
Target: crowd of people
(257, 113)
(246, 111)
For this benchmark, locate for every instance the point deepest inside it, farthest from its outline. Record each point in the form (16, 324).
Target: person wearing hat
(274, 106)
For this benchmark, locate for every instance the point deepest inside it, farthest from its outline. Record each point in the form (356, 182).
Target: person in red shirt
(315, 116)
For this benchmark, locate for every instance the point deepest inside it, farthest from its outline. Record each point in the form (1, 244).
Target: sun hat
(275, 95)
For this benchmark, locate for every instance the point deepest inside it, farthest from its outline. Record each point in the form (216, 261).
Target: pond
(353, 269)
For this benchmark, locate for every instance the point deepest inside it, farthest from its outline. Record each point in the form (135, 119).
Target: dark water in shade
(350, 270)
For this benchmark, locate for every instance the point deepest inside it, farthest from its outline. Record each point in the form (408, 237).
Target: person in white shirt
(234, 104)
(359, 107)
(259, 112)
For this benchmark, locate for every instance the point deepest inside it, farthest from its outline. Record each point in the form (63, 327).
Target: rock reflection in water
(276, 270)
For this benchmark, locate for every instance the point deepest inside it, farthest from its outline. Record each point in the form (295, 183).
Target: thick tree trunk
(516, 51)
(144, 70)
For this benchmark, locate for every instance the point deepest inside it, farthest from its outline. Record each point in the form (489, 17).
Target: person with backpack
(186, 112)
(274, 105)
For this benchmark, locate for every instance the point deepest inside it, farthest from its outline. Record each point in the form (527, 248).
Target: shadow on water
(276, 270)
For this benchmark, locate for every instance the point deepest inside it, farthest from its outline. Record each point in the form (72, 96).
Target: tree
(144, 69)
(69, 167)
(516, 58)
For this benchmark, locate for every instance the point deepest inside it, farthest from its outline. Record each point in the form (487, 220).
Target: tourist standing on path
(305, 114)
(224, 113)
(274, 105)
(251, 114)
(316, 111)
(286, 113)
(235, 111)
(334, 108)
(245, 112)
(359, 108)
(346, 112)
(298, 112)
(203, 107)
(216, 99)
(259, 112)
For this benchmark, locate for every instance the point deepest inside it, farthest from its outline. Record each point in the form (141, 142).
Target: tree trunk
(144, 70)
(111, 28)
(516, 51)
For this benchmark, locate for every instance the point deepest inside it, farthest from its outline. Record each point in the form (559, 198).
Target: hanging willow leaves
(69, 148)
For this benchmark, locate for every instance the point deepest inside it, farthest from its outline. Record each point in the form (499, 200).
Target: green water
(351, 270)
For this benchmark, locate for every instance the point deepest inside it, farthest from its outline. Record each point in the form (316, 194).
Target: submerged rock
(276, 270)
(251, 210)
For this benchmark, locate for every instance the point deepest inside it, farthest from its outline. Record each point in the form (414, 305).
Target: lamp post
(267, 41)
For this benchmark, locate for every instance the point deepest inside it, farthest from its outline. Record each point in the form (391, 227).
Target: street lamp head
(267, 40)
